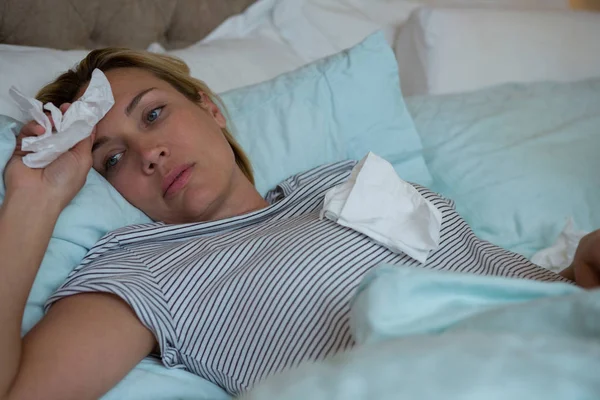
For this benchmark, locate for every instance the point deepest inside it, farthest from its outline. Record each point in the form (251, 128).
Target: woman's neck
(241, 198)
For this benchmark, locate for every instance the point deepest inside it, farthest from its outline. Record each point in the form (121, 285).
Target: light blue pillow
(518, 159)
(337, 108)
(96, 210)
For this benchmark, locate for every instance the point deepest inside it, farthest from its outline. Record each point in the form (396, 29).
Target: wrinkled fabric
(440, 335)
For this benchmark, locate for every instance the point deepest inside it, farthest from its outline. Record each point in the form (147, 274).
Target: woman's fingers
(64, 107)
(32, 128)
(83, 153)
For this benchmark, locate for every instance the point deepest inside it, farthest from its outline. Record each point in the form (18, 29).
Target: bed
(495, 104)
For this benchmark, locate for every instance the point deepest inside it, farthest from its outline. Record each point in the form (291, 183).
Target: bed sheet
(150, 380)
(519, 160)
(439, 335)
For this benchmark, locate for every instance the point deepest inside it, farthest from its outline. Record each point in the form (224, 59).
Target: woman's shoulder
(115, 241)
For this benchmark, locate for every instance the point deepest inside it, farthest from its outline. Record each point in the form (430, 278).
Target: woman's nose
(153, 156)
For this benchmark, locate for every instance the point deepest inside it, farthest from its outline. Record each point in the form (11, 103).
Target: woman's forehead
(127, 81)
(131, 88)
(124, 81)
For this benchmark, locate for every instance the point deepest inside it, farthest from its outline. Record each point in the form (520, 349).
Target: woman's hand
(60, 181)
(586, 264)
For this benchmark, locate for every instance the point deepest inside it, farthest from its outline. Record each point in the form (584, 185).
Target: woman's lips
(177, 179)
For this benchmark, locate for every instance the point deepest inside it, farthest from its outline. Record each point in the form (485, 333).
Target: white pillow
(223, 64)
(231, 63)
(454, 50)
(318, 28)
(30, 68)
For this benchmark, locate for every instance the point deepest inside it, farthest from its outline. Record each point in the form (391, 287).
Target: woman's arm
(86, 343)
(81, 349)
(568, 273)
(25, 230)
(585, 269)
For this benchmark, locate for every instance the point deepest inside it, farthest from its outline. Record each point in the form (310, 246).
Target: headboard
(88, 24)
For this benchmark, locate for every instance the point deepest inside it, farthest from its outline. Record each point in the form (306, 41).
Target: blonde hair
(169, 69)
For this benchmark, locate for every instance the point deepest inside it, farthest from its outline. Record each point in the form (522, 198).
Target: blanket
(430, 335)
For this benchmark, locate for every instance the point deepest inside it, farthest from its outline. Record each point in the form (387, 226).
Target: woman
(230, 286)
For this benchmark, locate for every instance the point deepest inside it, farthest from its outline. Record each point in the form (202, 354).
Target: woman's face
(164, 153)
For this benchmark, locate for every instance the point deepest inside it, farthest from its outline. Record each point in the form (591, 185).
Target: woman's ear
(212, 109)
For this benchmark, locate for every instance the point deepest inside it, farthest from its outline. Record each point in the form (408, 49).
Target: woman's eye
(153, 115)
(113, 161)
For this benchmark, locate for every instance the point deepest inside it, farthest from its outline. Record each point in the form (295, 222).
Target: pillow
(223, 64)
(232, 63)
(97, 209)
(340, 107)
(452, 50)
(518, 159)
(318, 28)
(30, 68)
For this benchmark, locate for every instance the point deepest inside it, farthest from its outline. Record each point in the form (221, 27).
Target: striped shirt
(239, 299)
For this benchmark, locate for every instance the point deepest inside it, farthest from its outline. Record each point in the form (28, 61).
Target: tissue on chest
(378, 203)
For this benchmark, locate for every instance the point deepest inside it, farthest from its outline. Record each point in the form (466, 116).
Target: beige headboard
(586, 4)
(73, 24)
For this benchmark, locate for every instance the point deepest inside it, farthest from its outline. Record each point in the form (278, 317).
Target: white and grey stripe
(236, 300)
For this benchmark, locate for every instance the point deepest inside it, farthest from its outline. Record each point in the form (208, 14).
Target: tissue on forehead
(75, 125)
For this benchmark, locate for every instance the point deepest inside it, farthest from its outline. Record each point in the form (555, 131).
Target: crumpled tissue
(560, 255)
(378, 203)
(75, 125)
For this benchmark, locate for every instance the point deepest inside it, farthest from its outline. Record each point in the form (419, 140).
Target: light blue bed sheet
(518, 159)
(438, 335)
(150, 380)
